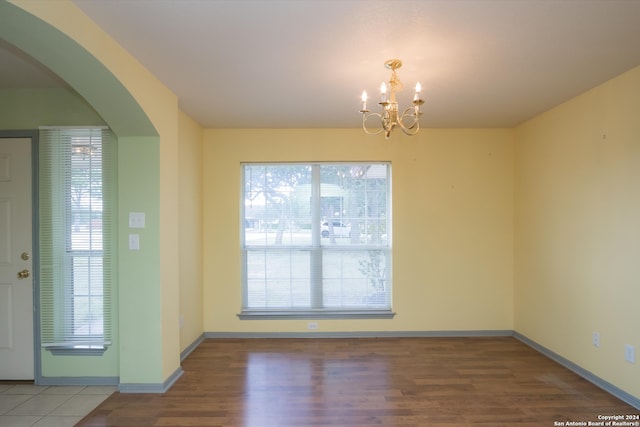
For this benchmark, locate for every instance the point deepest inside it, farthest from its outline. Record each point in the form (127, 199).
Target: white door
(16, 282)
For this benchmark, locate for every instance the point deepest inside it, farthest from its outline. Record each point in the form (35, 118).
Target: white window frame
(77, 239)
(317, 249)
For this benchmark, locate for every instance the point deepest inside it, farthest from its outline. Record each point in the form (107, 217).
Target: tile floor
(48, 406)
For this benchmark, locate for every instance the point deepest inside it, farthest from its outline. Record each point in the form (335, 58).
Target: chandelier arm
(413, 114)
(365, 115)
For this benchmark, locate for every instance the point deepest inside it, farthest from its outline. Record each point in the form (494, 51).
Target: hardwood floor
(364, 382)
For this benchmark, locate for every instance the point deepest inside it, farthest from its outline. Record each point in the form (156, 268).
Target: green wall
(87, 60)
(135, 349)
(30, 108)
(26, 109)
(139, 298)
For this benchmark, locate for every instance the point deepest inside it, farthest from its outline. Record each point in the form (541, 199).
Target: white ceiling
(304, 63)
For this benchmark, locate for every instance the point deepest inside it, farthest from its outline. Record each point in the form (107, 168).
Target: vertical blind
(76, 233)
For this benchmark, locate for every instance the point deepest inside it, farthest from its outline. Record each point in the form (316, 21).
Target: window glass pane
(278, 279)
(355, 279)
(354, 204)
(85, 193)
(277, 208)
(87, 296)
(85, 206)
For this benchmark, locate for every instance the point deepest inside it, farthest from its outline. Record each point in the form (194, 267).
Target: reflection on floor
(53, 406)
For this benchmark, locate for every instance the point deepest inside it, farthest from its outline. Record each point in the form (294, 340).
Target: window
(316, 240)
(76, 199)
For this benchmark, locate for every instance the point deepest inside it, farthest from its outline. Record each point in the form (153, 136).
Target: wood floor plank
(441, 382)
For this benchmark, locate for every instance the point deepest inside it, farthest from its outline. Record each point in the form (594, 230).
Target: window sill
(315, 314)
(77, 349)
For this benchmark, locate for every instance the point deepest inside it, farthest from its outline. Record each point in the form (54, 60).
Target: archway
(142, 362)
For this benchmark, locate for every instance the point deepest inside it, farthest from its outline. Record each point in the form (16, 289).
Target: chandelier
(408, 121)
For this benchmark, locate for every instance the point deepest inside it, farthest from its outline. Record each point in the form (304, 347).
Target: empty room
(319, 213)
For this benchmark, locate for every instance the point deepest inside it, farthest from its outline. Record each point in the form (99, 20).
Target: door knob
(24, 274)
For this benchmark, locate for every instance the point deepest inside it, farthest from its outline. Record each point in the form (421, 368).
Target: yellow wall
(452, 224)
(578, 229)
(190, 214)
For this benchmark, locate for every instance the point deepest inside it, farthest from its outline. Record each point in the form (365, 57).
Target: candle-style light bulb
(364, 100)
(416, 97)
(383, 92)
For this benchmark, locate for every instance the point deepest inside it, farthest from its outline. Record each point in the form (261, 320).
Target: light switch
(134, 242)
(136, 219)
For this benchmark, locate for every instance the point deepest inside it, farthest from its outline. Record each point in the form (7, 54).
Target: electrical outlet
(595, 338)
(312, 325)
(629, 353)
